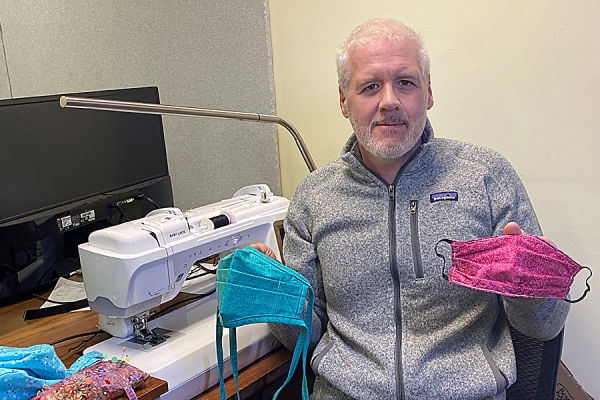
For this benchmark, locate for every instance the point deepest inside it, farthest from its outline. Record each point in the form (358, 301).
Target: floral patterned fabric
(101, 381)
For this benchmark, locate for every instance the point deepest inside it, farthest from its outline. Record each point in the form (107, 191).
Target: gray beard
(385, 151)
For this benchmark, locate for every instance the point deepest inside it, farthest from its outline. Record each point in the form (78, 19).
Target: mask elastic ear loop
(586, 290)
(442, 257)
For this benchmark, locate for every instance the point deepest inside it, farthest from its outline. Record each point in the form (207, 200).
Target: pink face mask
(513, 265)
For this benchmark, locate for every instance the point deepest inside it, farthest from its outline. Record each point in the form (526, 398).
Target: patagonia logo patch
(453, 196)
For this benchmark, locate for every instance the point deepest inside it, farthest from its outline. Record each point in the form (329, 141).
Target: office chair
(537, 367)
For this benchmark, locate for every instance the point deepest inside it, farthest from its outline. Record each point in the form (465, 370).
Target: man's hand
(266, 250)
(512, 228)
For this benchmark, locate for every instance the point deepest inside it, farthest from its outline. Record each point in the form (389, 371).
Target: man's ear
(343, 105)
(429, 95)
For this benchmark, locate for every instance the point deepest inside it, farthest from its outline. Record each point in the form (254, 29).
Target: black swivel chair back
(537, 367)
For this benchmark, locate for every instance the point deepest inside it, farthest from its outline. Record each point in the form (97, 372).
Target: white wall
(519, 77)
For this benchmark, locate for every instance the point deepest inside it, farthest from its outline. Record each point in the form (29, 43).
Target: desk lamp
(149, 108)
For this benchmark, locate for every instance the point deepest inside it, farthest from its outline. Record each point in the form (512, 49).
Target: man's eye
(404, 82)
(372, 86)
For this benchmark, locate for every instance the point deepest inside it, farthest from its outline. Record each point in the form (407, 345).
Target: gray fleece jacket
(386, 324)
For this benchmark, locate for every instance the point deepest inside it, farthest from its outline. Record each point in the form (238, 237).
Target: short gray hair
(377, 29)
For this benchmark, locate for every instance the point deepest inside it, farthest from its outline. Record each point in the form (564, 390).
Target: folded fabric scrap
(102, 381)
(25, 371)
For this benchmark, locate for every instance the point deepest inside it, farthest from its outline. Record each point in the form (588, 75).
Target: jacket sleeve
(542, 319)
(300, 255)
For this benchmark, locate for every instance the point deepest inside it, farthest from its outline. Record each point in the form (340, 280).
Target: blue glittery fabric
(24, 371)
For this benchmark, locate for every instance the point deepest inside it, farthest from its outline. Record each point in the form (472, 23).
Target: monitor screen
(65, 173)
(52, 156)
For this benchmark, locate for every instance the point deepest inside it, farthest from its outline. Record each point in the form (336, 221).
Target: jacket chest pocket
(429, 222)
(414, 239)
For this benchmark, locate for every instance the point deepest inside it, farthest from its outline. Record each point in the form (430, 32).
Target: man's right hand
(266, 250)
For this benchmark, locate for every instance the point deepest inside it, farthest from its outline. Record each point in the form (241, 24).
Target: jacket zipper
(396, 281)
(414, 238)
(395, 274)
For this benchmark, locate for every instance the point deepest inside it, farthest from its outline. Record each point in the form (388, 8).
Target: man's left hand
(512, 228)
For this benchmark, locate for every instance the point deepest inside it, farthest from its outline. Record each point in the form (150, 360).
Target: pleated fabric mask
(253, 288)
(513, 265)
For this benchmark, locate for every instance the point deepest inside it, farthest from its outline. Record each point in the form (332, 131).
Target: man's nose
(389, 101)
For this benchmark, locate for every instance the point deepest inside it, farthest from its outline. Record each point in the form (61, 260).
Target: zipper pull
(391, 192)
(413, 206)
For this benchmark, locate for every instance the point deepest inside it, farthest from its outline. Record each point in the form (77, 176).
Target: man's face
(387, 98)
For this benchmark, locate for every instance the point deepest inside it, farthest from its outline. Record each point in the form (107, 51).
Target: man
(363, 231)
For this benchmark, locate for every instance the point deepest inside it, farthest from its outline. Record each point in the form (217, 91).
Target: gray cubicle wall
(200, 53)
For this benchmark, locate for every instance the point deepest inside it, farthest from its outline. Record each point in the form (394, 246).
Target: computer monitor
(67, 172)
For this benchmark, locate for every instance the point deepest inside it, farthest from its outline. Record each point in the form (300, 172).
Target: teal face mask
(253, 288)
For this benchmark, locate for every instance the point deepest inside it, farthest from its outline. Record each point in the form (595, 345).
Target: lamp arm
(160, 109)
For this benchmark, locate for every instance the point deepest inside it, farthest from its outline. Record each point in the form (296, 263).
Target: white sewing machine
(130, 268)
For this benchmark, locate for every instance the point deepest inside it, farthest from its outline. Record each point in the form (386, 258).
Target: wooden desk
(15, 332)
(264, 376)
